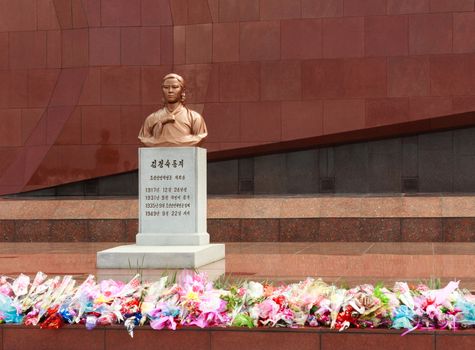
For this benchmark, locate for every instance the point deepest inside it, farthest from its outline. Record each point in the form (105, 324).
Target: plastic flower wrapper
(194, 302)
(82, 300)
(44, 300)
(403, 317)
(152, 294)
(239, 297)
(236, 306)
(346, 318)
(132, 295)
(108, 313)
(239, 303)
(320, 315)
(313, 297)
(388, 297)
(129, 305)
(131, 310)
(52, 319)
(165, 314)
(309, 292)
(309, 299)
(108, 290)
(403, 293)
(106, 303)
(20, 285)
(190, 311)
(20, 289)
(374, 304)
(466, 317)
(32, 303)
(190, 281)
(337, 298)
(274, 310)
(58, 296)
(8, 313)
(390, 302)
(34, 292)
(5, 286)
(58, 315)
(268, 312)
(442, 296)
(90, 320)
(119, 310)
(66, 312)
(48, 314)
(435, 308)
(40, 293)
(65, 289)
(212, 311)
(202, 305)
(165, 311)
(131, 322)
(294, 299)
(361, 307)
(98, 304)
(190, 288)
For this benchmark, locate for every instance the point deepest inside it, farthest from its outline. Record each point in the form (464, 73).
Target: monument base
(172, 239)
(159, 257)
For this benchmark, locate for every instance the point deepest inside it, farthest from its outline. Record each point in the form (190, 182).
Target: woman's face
(172, 90)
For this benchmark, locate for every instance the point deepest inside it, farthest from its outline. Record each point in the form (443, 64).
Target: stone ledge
(343, 229)
(116, 338)
(257, 207)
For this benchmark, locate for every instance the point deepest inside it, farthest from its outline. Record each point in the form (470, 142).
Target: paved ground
(345, 263)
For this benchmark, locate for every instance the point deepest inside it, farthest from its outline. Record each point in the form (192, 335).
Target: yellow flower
(191, 296)
(101, 299)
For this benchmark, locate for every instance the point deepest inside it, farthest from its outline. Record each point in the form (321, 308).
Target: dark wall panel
(428, 163)
(270, 174)
(302, 170)
(223, 177)
(351, 168)
(384, 166)
(464, 160)
(436, 163)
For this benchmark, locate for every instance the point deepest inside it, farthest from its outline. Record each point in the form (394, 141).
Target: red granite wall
(77, 77)
(116, 338)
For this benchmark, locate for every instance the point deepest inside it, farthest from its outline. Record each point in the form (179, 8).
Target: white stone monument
(172, 213)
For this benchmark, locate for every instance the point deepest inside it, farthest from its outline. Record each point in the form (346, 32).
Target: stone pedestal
(172, 213)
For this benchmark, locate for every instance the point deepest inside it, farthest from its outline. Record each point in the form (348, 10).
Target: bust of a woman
(174, 125)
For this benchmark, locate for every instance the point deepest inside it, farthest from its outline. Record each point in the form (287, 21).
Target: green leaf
(243, 320)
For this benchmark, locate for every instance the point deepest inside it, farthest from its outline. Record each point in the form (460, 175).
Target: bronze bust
(174, 125)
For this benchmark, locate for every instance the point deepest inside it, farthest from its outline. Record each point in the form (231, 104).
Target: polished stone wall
(319, 218)
(115, 338)
(344, 229)
(78, 77)
(442, 162)
(435, 162)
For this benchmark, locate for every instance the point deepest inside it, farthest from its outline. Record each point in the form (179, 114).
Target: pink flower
(6, 290)
(163, 322)
(111, 288)
(268, 309)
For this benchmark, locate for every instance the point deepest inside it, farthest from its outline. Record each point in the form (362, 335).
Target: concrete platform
(159, 257)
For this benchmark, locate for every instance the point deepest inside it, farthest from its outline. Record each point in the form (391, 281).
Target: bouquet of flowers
(192, 300)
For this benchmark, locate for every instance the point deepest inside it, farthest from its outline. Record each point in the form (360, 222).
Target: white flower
(255, 290)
